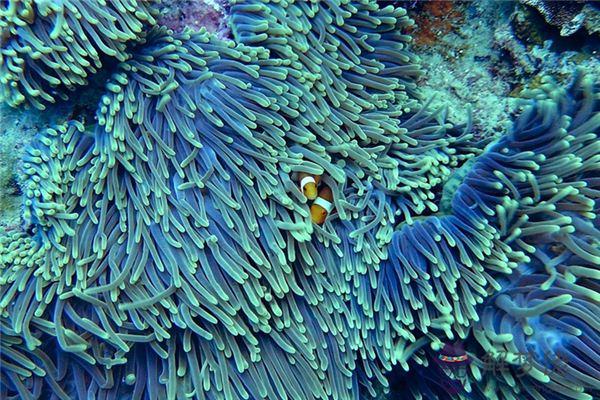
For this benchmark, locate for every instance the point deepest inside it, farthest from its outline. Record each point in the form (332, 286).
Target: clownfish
(308, 185)
(322, 206)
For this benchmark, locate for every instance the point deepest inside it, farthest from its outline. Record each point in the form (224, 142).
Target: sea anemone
(537, 336)
(191, 171)
(171, 251)
(48, 46)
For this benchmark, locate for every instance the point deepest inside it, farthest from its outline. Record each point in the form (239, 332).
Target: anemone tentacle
(47, 46)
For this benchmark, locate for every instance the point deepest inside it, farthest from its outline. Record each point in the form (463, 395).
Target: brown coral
(437, 18)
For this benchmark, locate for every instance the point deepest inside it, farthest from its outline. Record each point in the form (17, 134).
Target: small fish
(453, 353)
(308, 185)
(322, 206)
(453, 359)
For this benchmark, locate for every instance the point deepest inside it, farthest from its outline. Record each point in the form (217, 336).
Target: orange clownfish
(308, 185)
(322, 206)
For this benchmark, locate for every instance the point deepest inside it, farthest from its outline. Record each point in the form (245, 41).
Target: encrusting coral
(170, 251)
(49, 45)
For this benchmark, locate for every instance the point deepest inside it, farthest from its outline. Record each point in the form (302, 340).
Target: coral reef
(521, 59)
(171, 251)
(459, 65)
(178, 15)
(483, 63)
(568, 16)
(9, 157)
(436, 19)
(47, 46)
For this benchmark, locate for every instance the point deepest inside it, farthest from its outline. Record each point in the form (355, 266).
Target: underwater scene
(299, 199)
